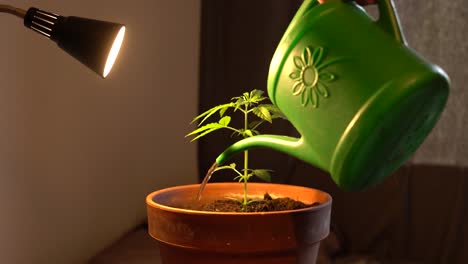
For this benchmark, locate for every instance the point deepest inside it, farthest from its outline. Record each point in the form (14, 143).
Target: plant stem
(246, 159)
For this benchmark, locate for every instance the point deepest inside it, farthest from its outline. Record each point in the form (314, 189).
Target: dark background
(238, 40)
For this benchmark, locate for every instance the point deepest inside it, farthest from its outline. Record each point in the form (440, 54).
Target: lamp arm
(13, 10)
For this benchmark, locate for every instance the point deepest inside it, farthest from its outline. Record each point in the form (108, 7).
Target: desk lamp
(94, 43)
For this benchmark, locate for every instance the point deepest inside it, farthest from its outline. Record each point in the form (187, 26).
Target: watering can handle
(388, 18)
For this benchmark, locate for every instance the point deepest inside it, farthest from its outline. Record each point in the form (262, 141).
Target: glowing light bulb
(114, 51)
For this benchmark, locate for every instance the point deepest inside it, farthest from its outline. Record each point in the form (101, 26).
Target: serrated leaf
(239, 102)
(256, 96)
(211, 111)
(263, 174)
(225, 121)
(263, 113)
(274, 111)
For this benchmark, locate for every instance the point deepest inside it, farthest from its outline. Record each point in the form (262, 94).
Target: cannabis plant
(249, 104)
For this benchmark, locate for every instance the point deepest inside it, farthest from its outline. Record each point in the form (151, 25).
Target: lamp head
(94, 43)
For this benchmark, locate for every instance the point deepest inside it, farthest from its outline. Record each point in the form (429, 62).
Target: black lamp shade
(92, 42)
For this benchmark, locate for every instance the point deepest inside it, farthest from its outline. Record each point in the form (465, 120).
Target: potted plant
(187, 234)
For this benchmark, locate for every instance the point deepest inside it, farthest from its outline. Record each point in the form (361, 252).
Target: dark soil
(268, 204)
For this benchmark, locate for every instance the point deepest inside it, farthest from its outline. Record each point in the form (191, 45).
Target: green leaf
(263, 174)
(222, 111)
(262, 112)
(204, 130)
(256, 96)
(225, 121)
(204, 133)
(245, 133)
(274, 111)
(211, 111)
(248, 133)
(240, 102)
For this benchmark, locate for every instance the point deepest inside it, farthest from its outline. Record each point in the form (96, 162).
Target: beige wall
(78, 154)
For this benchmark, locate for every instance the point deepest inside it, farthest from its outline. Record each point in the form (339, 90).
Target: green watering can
(361, 100)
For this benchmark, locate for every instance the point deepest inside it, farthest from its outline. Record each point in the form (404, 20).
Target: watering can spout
(295, 147)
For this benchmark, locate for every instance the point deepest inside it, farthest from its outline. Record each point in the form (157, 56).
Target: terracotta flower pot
(189, 236)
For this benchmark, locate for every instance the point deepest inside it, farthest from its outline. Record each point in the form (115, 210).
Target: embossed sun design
(311, 77)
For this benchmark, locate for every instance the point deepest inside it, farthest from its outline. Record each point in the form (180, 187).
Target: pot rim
(150, 202)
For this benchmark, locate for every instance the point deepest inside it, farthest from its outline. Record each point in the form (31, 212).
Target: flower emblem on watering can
(310, 76)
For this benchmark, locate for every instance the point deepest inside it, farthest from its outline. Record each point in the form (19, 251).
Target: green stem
(246, 159)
